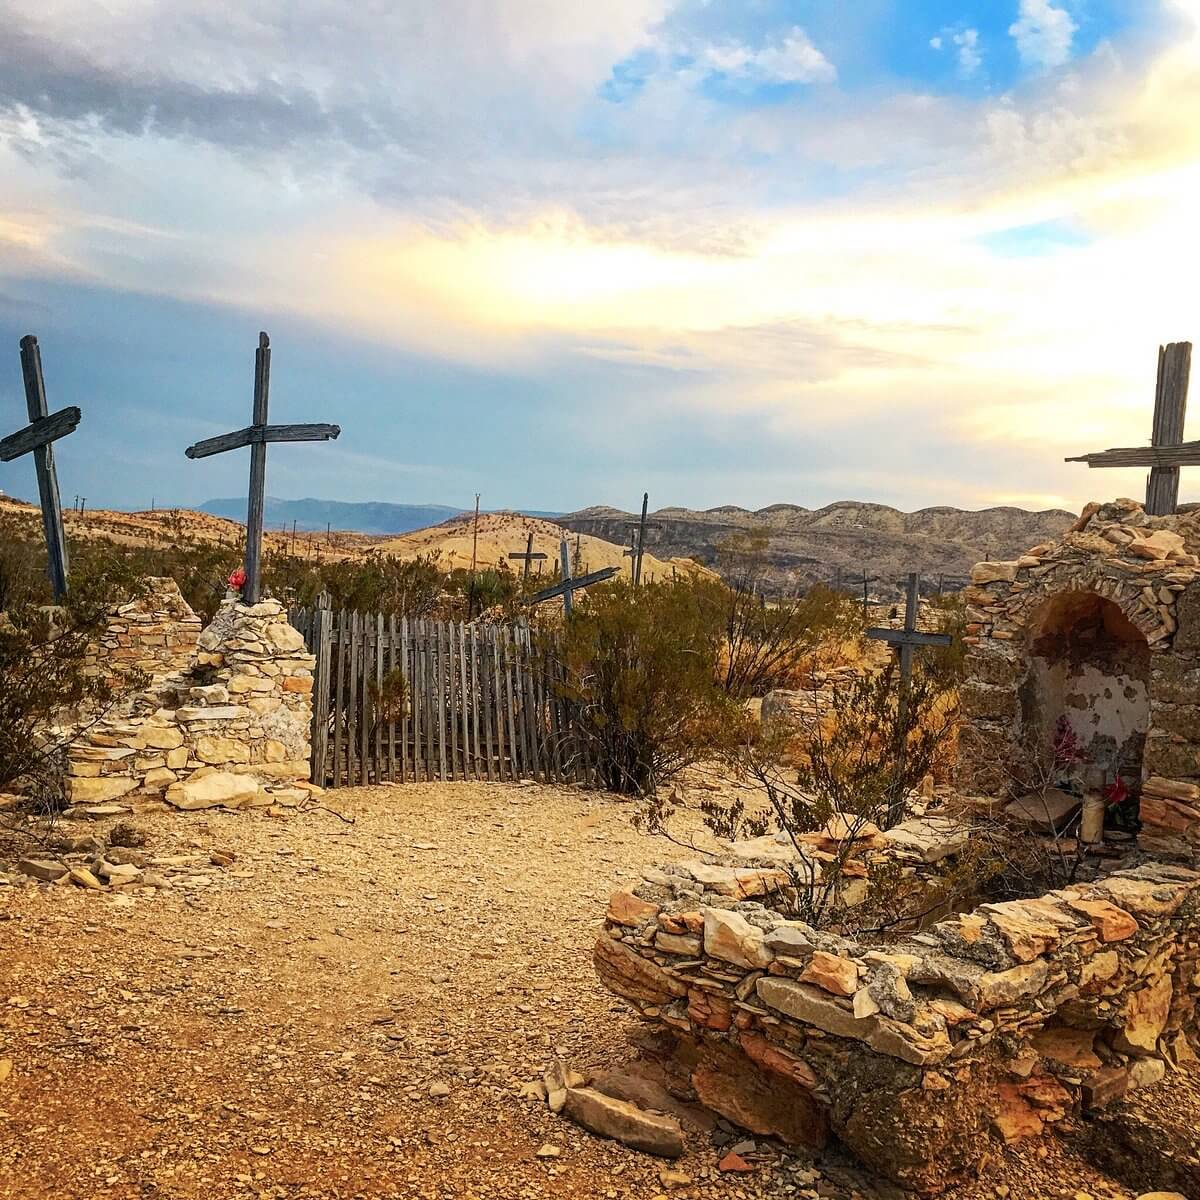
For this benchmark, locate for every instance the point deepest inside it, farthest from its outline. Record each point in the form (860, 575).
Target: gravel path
(349, 1010)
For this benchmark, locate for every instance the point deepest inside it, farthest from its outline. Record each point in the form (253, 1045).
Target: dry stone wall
(1148, 569)
(920, 1054)
(225, 719)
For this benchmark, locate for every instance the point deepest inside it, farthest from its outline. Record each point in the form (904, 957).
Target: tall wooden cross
(638, 548)
(1167, 451)
(569, 585)
(37, 437)
(256, 436)
(906, 642)
(528, 557)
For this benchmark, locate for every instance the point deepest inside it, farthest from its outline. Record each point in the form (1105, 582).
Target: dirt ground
(286, 1025)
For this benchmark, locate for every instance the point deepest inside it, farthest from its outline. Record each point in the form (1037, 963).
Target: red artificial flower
(237, 579)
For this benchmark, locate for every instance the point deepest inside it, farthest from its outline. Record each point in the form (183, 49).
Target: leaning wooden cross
(1167, 451)
(529, 556)
(638, 549)
(907, 641)
(256, 436)
(568, 586)
(43, 429)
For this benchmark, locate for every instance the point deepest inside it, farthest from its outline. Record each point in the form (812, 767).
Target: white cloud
(936, 42)
(791, 58)
(1043, 33)
(970, 56)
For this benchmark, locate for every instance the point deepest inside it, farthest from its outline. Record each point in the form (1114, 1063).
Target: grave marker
(36, 438)
(569, 585)
(1167, 451)
(528, 557)
(906, 642)
(256, 436)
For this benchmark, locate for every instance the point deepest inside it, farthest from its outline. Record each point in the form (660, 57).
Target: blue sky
(747, 253)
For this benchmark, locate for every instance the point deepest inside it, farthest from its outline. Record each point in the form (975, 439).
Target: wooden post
(564, 555)
(252, 591)
(47, 477)
(1170, 411)
(641, 545)
(323, 620)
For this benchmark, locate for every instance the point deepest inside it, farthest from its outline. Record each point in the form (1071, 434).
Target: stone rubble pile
(915, 1054)
(117, 862)
(228, 724)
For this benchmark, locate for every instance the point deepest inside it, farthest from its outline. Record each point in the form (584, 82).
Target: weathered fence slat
(464, 701)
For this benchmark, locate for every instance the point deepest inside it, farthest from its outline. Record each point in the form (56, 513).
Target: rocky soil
(311, 1007)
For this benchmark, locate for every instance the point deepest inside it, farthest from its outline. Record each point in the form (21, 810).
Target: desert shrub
(773, 641)
(48, 690)
(375, 583)
(639, 670)
(858, 758)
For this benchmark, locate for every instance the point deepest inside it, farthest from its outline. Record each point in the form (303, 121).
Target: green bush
(641, 674)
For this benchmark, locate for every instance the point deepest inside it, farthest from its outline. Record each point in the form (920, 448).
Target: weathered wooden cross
(638, 539)
(1167, 451)
(568, 585)
(528, 557)
(43, 429)
(906, 642)
(256, 436)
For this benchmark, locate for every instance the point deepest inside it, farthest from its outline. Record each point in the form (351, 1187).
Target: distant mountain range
(313, 516)
(848, 538)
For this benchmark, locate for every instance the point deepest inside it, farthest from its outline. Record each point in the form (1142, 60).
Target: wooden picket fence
(398, 700)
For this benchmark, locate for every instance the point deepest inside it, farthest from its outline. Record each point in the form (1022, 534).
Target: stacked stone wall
(1146, 566)
(225, 719)
(920, 1054)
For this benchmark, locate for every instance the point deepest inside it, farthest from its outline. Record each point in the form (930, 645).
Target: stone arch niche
(1103, 627)
(1089, 666)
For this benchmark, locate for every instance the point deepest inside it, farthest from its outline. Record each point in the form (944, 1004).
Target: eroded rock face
(986, 1028)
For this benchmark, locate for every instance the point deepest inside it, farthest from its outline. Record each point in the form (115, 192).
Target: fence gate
(398, 700)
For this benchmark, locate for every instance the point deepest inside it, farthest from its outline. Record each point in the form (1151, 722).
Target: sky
(560, 253)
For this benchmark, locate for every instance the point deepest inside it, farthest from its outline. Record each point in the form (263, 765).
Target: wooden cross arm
(909, 637)
(261, 434)
(39, 433)
(536, 554)
(571, 585)
(1186, 454)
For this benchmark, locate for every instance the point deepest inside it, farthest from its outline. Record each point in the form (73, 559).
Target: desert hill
(503, 533)
(499, 534)
(807, 545)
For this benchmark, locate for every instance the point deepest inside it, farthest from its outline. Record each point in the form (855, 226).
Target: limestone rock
(213, 749)
(107, 787)
(1113, 924)
(212, 790)
(731, 938)
(624, 1122)
(993, 572)
(836, 975)
(85, 879)
(166, 737)
(45, 869)
(627, 973)
(1145, 1017)
(624, 908)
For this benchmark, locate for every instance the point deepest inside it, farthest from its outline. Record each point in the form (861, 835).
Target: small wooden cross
(568, 585)
(906, 641)
(528, 557)
(43, 429)
(1167, 451)
(256, 436)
